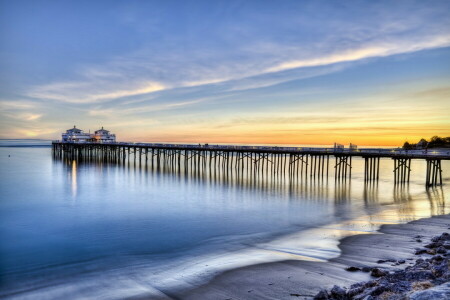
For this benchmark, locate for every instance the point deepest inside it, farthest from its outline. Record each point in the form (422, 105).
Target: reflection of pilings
(370, 193)
(401, 194)
(434, 172)
(343, 167)
(436, 197)
(342, 191)
(371, 168)
(402, 170)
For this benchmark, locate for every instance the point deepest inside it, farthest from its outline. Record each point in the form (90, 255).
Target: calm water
(75, 230)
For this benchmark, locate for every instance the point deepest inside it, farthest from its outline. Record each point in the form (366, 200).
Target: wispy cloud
(31, 116)
(19, 110)
(91, 92)
(365, 52)
(142, 108)
(13, 105)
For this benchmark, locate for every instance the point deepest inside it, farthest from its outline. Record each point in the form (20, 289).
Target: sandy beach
(304, 279)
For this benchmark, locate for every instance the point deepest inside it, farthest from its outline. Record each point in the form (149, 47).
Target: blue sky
(368, 72)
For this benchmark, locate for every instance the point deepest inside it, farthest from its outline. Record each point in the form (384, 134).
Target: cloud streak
(88, 92)
(364, 53)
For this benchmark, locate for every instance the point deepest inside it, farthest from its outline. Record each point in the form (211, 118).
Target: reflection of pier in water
(338, 192)
(256, 162)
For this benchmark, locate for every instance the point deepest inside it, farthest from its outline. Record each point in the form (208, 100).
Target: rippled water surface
(78, 229)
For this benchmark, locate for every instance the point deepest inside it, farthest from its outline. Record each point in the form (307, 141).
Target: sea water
(74, 229)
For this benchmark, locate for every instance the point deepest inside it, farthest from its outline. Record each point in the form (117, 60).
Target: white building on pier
(103, 136)
(77, 135)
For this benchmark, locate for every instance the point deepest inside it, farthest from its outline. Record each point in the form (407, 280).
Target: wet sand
(304, 279)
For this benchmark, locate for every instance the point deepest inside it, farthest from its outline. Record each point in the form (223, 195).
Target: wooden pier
(258, 161)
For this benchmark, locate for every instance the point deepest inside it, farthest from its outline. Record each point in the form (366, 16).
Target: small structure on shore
(77, 135)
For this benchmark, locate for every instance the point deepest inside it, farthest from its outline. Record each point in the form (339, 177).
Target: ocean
(78, 229)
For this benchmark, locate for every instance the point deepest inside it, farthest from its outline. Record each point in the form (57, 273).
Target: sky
(253, 72)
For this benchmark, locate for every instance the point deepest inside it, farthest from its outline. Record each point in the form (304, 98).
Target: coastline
(295, 279)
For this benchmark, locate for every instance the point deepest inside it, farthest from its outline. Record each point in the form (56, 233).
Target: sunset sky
(284, 72)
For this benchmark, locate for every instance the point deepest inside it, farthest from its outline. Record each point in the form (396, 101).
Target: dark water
(77, 230)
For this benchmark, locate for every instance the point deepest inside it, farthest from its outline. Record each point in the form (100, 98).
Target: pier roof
(102, 130)
(74, 129)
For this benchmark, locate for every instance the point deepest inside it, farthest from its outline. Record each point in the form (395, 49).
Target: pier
(291, 163)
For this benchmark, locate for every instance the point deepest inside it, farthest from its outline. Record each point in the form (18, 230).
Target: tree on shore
(435, 142)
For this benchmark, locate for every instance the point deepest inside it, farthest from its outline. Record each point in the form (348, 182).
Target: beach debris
(381, 261)
(427, 278)
(338, 292)
(431, 251)
(376, 272)
(300, 295)
(435, 238)
(432, 293)
(441, 250)
(322, 295)
(433, 245)
(420, 251)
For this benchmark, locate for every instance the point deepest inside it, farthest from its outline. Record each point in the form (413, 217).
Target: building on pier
(104, 136)
(77, 135)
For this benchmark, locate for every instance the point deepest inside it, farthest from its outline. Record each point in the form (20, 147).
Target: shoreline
(294, 279)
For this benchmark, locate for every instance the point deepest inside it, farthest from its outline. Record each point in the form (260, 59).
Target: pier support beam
(434, 172)
(343, 167)
(402, 170)
(319, 166)
(371, 168)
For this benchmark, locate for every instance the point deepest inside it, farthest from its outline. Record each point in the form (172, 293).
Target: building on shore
(76, 135)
